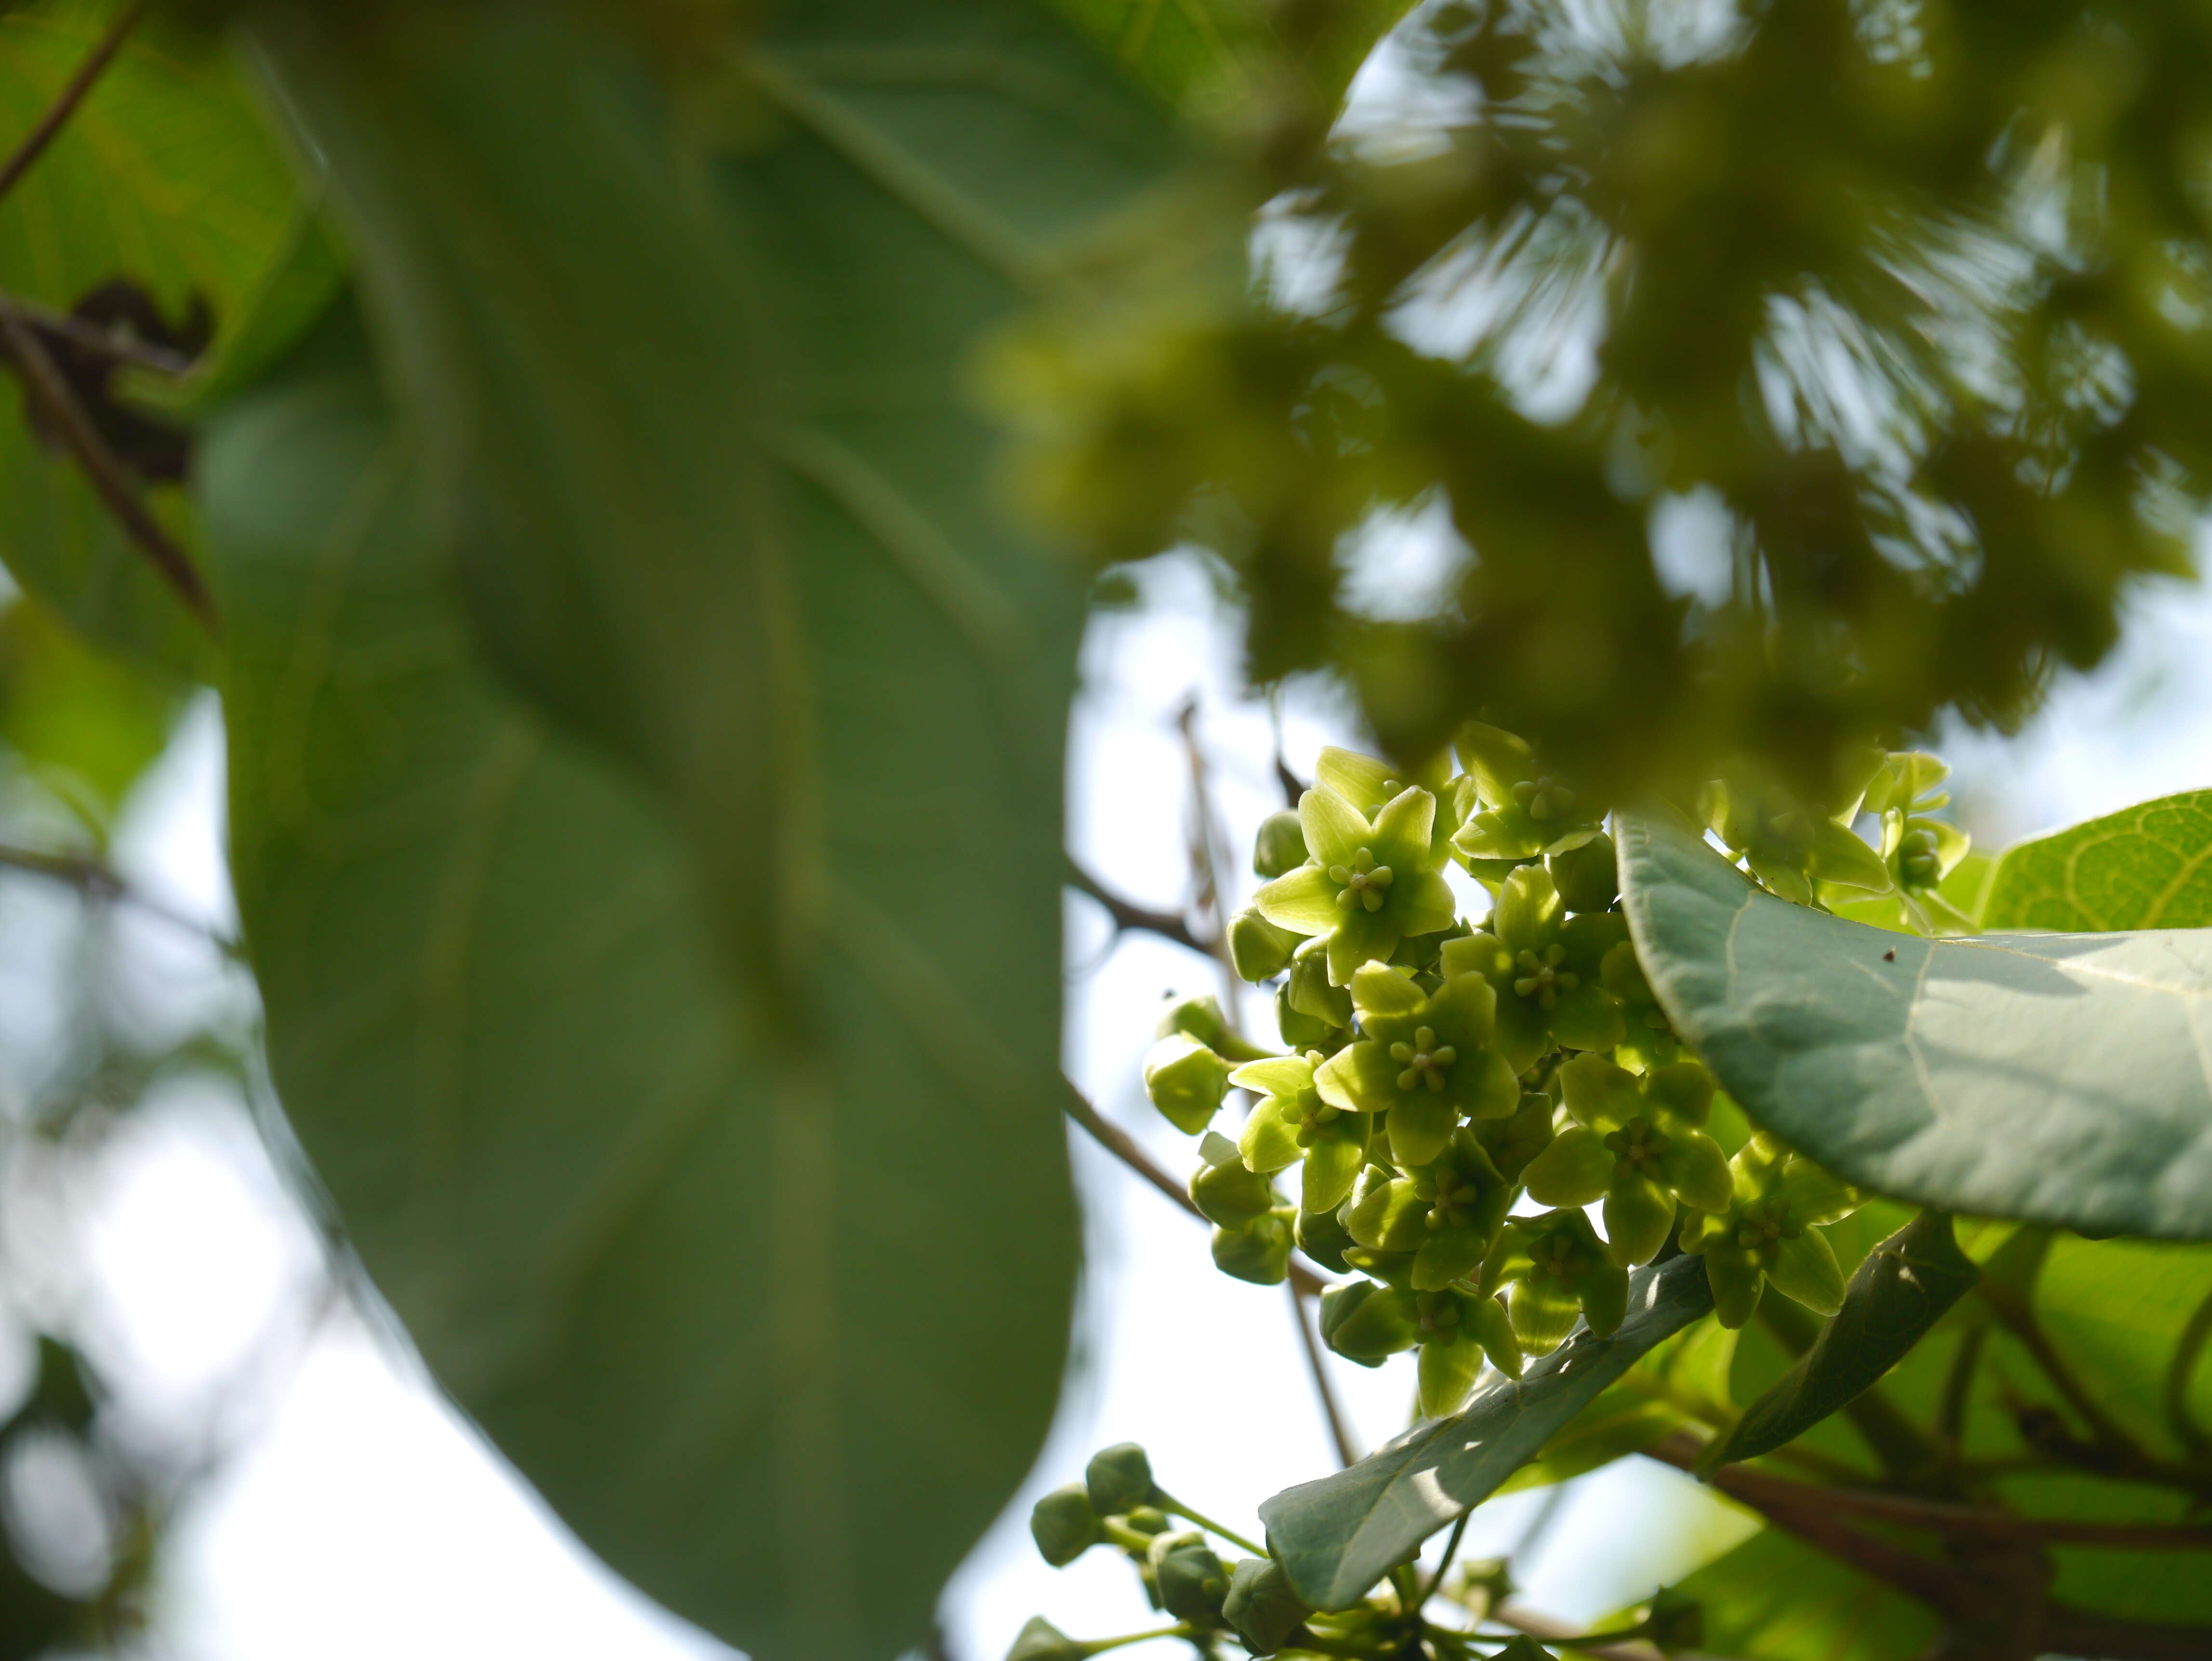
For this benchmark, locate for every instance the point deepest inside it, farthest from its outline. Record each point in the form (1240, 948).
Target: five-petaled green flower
(1426, 1060)
(1637, 1144)
(1292, 1123)
(1563, 1272)
(1371, 884)
(1767, 1233)
(1547, 969)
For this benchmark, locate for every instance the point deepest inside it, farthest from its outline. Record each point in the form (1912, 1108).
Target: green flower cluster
(1458, 1095)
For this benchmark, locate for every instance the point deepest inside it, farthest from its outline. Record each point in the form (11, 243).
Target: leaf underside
(1336, 1538)
(2053, 1078)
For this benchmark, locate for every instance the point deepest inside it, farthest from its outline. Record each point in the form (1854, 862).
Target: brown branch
(1553, 1630)
(1126, 915)
(1123, 1147)
(91, 338)
(1339, 1431)
(1951, 1588)
(69, 422)
(58, 113)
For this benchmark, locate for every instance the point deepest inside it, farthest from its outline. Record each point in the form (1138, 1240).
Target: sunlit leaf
(2146, 866)
(2057, 1079)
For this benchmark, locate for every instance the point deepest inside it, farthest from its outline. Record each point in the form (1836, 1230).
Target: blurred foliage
(1789, 374)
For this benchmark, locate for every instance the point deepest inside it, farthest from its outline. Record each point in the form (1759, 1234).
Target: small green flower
(1292, 1123)
(1547, 968)
(1564, 1272)
(1650, 1040)
(1371, 883)
(1519, 813)
(1368, 784)
(1637, 1143)
(1767, 1233)
(1259, 1252)
(1792, 845)
(1225, 1189)
(1426, 1060)
(1388, 1213)
(1458, 1330)
(1466, 1199)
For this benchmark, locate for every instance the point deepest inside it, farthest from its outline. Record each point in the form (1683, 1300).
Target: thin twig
(1127, 915)
(96, 882)
(1123, 1147)
(69, 421)
(100, 342)
(1339, 1431)
(1204, 845)
(65, 102)
(1444, 1562)
(1957, 1387)
(2019, 1318)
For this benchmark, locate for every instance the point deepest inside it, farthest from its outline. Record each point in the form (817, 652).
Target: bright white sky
(360, 1518)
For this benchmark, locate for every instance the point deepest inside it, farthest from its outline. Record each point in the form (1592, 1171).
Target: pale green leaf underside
(168, 176)
(2059, 1079)
(2146, 866)
(1336, 1538)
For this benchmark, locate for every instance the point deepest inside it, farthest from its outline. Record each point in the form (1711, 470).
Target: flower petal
(1420, 1125)
(1358, 779)
(1527, 917)
(1588, 1017)
(1402, 830)
(1378, 989)
(1336, 829)
(1448, 1366)
(1361, 1078)
(1805, 1268)
(1637, 1214)
(1695, 1169)
(1575, 1170)
(1303, 901)
(1598, 1093)
(1424, 901)
(1269, 1140)
(1361, 937)
(1332, 1163)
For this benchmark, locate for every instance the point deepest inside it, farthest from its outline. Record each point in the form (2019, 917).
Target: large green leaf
(1336, 1538)
(2057, 1078)
(2146, 866)
(167, 177)
(701, 462)
(1774, 1598)
(778, 1357)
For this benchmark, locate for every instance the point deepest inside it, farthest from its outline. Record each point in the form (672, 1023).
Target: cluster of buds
(1457, 1096)
(1118, 1505)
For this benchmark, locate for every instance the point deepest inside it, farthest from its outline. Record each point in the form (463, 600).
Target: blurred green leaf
(2057, 1079)
(1336, 1538)
(166, 178)
(719, 507)
(2146, 866)
(87, 725)
(672, 1271)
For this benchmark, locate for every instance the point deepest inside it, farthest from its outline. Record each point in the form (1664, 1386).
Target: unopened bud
(1259, 1252)
(1587, 877)
(1192, 1581)
(1041, 1640)
(1261, 1608)
(1064, 1525)
(1119, 1479)
(1280, 847)
(1230, 1194)
(1259, 950)
(1186, 1081)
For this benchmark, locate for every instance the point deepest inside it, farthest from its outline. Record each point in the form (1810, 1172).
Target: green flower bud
(1227, 1194)
(1587, 877)
(1259, 949)
(1322, 1237)
(1388, 1216)
(1364, 1321)
(1261, 1608)
(1186, 1081)
(1301, 1030)
(1674, 1621)
(1192, 1582)
(1313, 993)
(1041, 1640)
(1200, 1017)
(1119, 1479)
(1149, 1519)
(1259, 1252)
(1280, 847)
(1064, 1525)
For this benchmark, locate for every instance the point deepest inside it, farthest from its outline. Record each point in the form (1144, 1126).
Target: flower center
(1423, 1060)
(1363, 882)
(1543, 979)
(1639, 1144)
